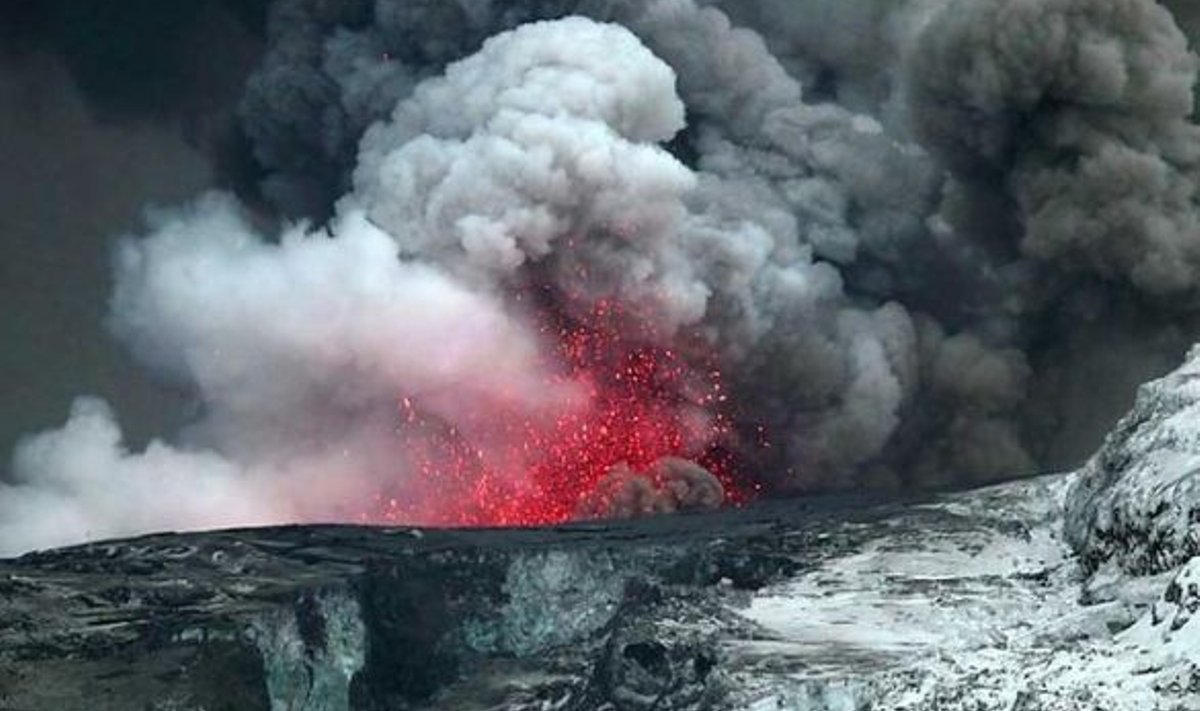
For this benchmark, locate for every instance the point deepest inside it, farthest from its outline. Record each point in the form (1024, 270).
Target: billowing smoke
(1081, 111)
(670, 485)
(807, 245)
(298, 352)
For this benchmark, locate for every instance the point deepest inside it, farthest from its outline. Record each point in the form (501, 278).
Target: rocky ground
(1074, 591)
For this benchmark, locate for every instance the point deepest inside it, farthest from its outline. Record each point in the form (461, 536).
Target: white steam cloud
(897, 224)
(298, 352)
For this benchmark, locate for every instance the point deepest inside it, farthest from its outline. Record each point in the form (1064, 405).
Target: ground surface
(969, 601)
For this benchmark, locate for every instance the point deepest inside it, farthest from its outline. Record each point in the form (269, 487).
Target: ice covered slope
(971, 603)
(1070, 592)
(1136, 506)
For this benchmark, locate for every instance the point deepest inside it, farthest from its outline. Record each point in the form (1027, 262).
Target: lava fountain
(650, 433)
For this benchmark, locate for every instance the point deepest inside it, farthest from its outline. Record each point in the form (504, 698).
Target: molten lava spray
(643, 407)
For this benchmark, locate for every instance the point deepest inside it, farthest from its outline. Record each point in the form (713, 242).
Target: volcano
(518, 263)
(646, 432)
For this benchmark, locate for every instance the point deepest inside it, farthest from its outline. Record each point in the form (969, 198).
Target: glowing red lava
(644, 402)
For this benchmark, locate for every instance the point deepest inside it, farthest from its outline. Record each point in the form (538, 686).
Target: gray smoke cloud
(670, 485)
(853, 53)
(902, 228)
(1187, 16)
(1081, 110)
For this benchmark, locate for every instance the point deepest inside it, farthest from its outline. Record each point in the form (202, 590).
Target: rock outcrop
(1136, 505)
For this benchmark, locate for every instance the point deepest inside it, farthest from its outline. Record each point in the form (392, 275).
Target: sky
(95, 125)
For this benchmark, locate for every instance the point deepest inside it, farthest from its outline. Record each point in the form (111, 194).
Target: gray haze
(70, 185)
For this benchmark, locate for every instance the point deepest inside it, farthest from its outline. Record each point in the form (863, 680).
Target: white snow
(975, 605)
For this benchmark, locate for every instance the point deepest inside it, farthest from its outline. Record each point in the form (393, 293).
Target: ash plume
(670, 485)
(1087, 128)
(900, 230)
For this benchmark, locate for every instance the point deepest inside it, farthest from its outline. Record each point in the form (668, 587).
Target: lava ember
(643, 403)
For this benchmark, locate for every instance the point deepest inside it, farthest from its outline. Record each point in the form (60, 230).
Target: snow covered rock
(968, 603)
(1136, 504)
(1074, 592)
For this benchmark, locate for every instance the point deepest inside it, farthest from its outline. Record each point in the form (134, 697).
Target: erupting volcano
(524, 262)
(648, 434)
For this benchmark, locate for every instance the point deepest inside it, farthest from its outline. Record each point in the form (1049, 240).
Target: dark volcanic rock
(325, 618)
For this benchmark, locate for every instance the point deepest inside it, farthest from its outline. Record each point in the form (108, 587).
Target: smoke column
(883, 244)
